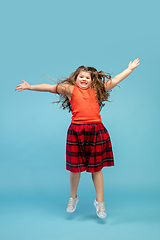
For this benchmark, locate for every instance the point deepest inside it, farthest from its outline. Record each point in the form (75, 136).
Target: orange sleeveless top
(85, 108)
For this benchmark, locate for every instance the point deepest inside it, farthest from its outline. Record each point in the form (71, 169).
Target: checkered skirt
(88, 148)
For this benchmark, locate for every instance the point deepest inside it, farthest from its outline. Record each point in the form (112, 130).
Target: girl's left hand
(133, 64)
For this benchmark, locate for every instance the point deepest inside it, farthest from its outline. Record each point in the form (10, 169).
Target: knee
(97, 173)
(94, 174)
(75, 175)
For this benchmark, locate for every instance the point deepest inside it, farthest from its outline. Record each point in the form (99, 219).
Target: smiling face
(84, 80)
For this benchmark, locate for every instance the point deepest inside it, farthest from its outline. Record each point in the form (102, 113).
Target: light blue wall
(54, 38)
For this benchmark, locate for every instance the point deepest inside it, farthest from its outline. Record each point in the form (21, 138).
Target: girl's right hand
(23, 86)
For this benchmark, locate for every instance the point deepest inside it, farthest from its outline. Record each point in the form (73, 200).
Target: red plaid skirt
(88, 148)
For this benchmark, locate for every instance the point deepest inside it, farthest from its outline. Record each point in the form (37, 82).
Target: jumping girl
(88, 145)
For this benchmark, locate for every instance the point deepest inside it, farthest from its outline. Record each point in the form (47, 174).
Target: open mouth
(83, 83)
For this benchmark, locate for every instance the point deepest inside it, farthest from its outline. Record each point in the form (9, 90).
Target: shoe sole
(74, 208)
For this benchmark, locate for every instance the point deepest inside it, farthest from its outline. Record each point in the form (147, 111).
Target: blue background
(53, 38)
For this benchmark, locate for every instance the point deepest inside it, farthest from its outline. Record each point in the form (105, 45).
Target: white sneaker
(100, 209)
(72, 204)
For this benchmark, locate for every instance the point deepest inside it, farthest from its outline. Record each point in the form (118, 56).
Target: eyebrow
(82, 74)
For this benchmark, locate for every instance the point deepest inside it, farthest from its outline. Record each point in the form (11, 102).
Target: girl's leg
(74, 181)
(97, 178)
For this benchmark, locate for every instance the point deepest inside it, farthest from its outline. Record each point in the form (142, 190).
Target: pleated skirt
(88, 148)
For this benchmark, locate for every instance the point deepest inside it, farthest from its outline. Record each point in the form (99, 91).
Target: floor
(41, 215)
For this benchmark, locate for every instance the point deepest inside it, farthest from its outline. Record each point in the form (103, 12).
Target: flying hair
(98, 81)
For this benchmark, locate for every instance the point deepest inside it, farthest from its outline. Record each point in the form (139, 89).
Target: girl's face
(84, 80)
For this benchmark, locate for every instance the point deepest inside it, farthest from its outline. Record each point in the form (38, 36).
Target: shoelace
(71, 202)
(101, 207)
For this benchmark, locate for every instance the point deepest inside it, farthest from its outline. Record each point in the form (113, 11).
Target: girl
(88, 145)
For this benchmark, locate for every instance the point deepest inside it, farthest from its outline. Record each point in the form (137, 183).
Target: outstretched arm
(118, 78)
(41, 87)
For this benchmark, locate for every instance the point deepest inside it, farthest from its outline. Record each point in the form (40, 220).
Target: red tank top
(85, 107)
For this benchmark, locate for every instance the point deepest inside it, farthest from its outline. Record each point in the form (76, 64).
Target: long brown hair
(98, 80)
